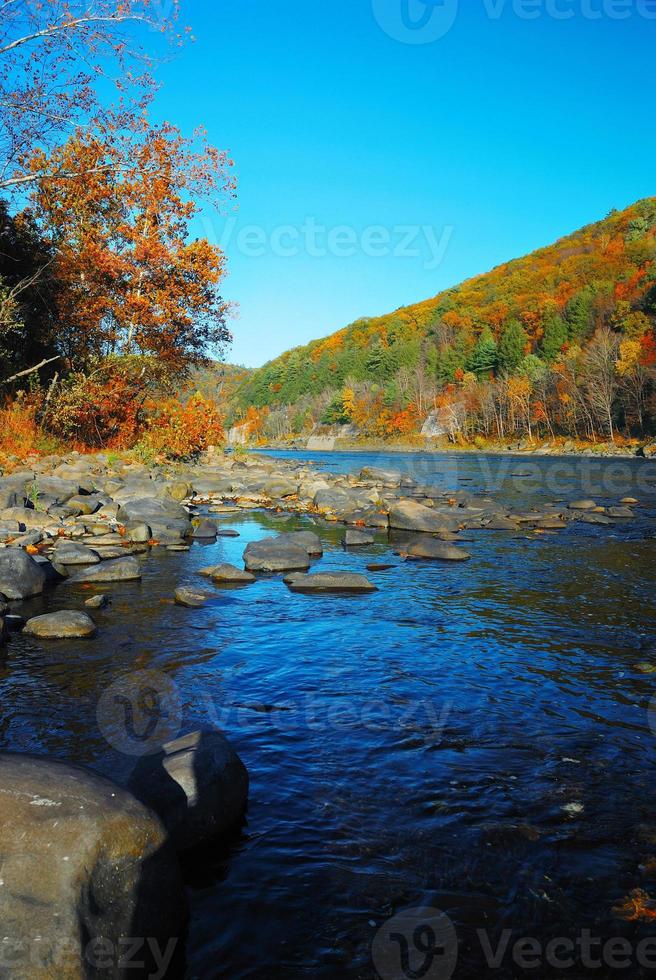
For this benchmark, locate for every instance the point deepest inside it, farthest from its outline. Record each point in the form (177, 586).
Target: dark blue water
(473, 737)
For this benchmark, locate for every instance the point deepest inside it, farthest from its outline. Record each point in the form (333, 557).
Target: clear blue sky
(509, 131)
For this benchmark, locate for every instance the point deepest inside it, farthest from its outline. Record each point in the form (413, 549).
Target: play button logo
(416, 21)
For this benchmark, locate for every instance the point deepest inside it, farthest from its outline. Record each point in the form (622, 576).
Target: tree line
(558, 343)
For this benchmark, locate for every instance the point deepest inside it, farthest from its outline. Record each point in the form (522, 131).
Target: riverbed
(473, 737)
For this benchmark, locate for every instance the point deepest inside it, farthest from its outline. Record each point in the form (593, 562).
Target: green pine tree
(556, 335)
(483, 360)
(512, 346)
(579, 314)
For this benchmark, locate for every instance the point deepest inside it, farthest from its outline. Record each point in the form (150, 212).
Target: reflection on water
(474, 738)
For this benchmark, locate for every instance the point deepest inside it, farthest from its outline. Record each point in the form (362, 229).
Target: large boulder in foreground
(275, 555)
(62, 625)
(196, 784)
(330, 582)
(20, 576)
(117, 570)
(85, 866)
(406, 515)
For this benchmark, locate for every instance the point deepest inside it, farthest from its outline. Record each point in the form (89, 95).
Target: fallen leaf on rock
(638, 906)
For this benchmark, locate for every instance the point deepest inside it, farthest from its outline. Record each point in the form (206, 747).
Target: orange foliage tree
(179, 430)
(130, 280)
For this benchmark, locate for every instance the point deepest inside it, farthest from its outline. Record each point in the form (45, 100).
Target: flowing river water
(473, 738)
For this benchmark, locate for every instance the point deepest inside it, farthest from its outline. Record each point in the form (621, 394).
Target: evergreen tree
(512, 346)
(335, 414)
(483, 360)
(451, 359)
(579, 314)
(556, 335)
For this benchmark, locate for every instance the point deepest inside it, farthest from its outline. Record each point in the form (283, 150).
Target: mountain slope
(525, 319)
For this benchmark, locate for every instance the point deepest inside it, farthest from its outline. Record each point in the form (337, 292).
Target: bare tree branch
(70, 25)
(37, 367)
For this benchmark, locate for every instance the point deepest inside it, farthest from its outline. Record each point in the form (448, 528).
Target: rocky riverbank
(84, 524)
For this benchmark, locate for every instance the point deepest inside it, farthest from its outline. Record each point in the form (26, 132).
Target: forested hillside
(558, 342)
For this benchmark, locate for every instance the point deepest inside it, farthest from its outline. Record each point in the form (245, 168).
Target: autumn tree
(130, 279)
(56, 58)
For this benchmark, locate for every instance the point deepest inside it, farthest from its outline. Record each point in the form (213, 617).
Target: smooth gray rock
(592, 518)
(74, 553)
(197, 785)
(138, 532)
(185, 596)
(391, 478)
(327, 582)
(83, 863)
(500, 523)
(166, 518)
(205, 530)
(227, 575)
(97, 602)
(625, 513)
(434, 550)
(406, 515)
(116, 570)
(85, 503)
(582, 505)
(280, 487)
(358, 539)
(28, 517)
(20, 576)
(273, 555)
(65, 624)
(307, 540)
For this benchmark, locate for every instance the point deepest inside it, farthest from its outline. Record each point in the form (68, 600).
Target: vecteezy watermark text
(425, 243)
(146, 957)
(423, 942)
(427, 21)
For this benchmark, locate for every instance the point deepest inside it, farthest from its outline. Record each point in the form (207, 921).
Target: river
(473, 738)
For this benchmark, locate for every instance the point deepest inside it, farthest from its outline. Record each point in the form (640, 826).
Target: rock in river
(190, 598)
(196, 784)
(206, 530)
(74, 553)
(84, 865)
(118, 570)
(582, 505)
(358, 539)
(431, 549)
(228, 575)
(20, 576)
(307, 540)
(407, 515)
(65, 624)
(96, 602)
(342, 582)
(274, 555)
